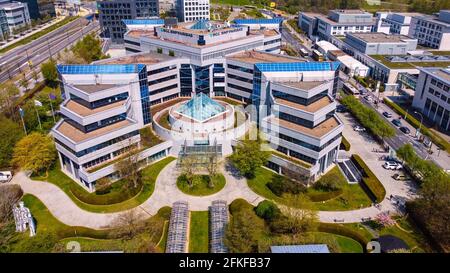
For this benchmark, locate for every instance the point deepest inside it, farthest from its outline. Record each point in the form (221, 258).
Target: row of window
(306, 144)
(242, 79)
(163, 69)
(168, 78)
(299, 100)
(439, 84)
(100, 102)
(239, 88)
(243, 69)
(163, 89)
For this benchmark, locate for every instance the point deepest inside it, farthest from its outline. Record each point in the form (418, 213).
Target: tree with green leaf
(35, 152)
(248, 156)
(10, 134)
(89, 48)
(24, 82)
(50, 72)
(8, 92)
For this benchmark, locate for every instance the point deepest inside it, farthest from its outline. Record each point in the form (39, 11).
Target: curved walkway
(165, 194)
(166, 191)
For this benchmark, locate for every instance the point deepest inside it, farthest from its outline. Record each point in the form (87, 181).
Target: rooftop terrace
(311, 108)
(84, 111)
(92, 88)
(303, 85)
(139, 58)
(76, 135)
(316, 132)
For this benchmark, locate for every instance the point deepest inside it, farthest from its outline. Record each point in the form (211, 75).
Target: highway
(16, 61)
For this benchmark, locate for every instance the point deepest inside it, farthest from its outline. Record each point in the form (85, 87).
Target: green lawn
(200, 187)
(199, 231)
(149, 175)
(401, 65)
(408, 233)
(53, 235)
(352, 197)
(345, 244)
(39, 34)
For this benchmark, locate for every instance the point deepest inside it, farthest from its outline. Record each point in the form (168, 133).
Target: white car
(392, 165)
(358, 128)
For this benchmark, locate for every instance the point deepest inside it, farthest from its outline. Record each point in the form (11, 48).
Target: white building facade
(432, 30)
(192, 10)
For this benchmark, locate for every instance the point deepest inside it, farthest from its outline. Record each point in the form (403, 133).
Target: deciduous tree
(49, 72)
(35, 152)
(248, 156)
(10, 134)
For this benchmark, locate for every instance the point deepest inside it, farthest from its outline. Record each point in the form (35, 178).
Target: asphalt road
(16, 61)
(401, 138)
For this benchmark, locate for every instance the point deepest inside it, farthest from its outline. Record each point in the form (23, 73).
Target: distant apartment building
(377, 43)
(337, 23)
(432, 96)
(192, 10)
(40, 8)
(394, 22)
(167, 5)
(16, 13)
(113, 12)
(432, 30)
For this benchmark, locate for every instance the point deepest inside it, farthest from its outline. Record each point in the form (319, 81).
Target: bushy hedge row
(370, 180)
(440, 142)
(343, 231)
(117, 193)
(368, 117)
(345, 144)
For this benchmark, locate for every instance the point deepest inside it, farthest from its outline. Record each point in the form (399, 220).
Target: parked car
(387, 114)
(405, 130)
(358, 128)
(397, 122)
(399, 176)
(341, 108)
(5, 176)
(368, 98)
(392, 165)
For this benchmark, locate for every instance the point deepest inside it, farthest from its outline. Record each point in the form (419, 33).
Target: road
(441, 158)
(17, 60)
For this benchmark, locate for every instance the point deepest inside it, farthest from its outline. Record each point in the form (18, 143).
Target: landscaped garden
(344, 196)
(201, 185)
(118, 197)
(52, 235)
(255, 229)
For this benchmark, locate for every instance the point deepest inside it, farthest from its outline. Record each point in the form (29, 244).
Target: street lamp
(421, 119)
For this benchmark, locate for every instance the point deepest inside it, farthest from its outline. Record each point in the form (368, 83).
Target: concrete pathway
(165, 194)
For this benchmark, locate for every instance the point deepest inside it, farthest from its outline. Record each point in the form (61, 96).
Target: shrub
(239, 205)
(159, 50)
(280, 185)
(370, 180)
(324, 196)
(171, 53)
(345, 144)
(267, 210)
(342, 230)
(332, 181)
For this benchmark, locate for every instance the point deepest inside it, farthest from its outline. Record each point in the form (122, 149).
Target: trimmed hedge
(345, 144)
(325, 196)
(343, 231)
(439, 141)
(370, 180)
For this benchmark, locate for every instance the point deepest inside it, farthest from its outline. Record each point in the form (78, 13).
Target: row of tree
(432, 207)
(368, 117)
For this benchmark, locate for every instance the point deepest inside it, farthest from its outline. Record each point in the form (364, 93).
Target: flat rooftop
(317, 132)
(303, 85)
(441, 73)
(262, 57)
(92, 88)
(337, 53)
(311, 108)
(349, 11)
(266, 32)
(76, 135)
(334, 23)
(84, 111)
(379, 37)
(138, 58)
(137, 33)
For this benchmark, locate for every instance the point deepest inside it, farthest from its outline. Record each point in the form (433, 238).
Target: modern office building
(337, 23)
(181, 85)
(394, 22)
(192, 10)
(432, 30)
(40, 8)
(4, 29)
(16, 13)
(432, 96)
(377, 43)
(113, 12)
(104, 108)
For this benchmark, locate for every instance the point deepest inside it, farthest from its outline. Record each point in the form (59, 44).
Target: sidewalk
(56, 20)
